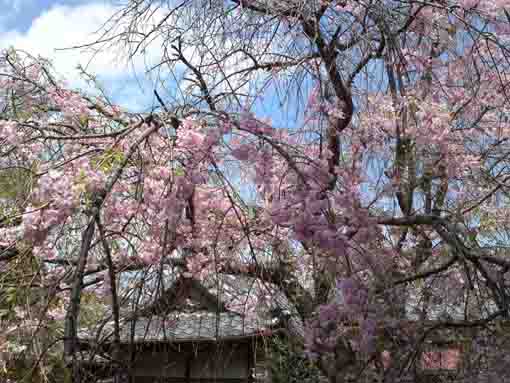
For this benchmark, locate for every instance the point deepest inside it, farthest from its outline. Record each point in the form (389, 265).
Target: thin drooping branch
(425, 274)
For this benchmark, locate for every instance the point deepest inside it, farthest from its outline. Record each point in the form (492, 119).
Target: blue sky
(19, 14)
(41, 27)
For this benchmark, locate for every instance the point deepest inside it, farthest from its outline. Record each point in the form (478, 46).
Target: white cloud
(74, 25)
(65, 27)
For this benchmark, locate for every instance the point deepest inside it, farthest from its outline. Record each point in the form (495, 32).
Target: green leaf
(108, 160)
(179, 172)
(14, 182)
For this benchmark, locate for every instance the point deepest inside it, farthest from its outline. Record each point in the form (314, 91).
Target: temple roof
(229, 307)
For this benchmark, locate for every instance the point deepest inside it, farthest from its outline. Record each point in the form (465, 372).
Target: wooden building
(190, 334)
(193, 333)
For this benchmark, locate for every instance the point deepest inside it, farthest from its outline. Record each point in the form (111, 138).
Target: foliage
(289, 364)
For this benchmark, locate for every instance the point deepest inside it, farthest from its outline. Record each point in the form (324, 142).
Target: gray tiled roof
(192, 324)
(180, 327)
(201, 325)
(456, 308)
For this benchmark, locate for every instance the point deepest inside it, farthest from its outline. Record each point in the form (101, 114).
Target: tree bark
(71, 319)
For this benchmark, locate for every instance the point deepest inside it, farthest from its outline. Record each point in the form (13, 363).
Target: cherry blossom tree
(379, 210)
